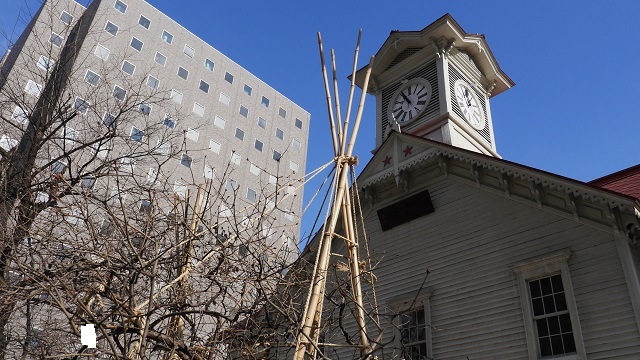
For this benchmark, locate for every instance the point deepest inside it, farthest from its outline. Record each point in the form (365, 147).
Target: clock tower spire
(436, 83)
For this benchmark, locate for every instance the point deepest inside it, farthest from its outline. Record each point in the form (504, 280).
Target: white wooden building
(521, 263)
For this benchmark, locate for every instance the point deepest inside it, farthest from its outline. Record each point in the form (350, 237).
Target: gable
(625, 182)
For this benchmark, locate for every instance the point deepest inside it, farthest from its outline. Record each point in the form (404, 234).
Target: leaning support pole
(308, 333)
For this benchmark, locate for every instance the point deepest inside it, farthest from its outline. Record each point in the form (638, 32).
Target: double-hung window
(550, 314)
(413, 327)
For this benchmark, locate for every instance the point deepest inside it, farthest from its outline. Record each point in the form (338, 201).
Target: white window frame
(140, 41)
(296, 144)
(186, 160)
(84, 101)
(45, 63)
(254, 169)
(70, 134)
(224, 99)
(145, 109)
(206, 85)
(162, 148)
(228, 77)
(20, 115)
(155, 58)
(255, 145)
(255, 195)
(192, 134)
(121, 3)
(57, 36)
(189, 51)
(198, 109)
(407, 303)
(33, 88)
(95, 75)
(130, 63)
(298, 121)
(209, 172)
(215, 146)
(100, 54)
(114, 92)
(185, 70)
(157, 82)
(171, 119)
(294, 166)
(235, 158)
(279, 133)
(108, 32)
(265, 101)
(248, 92)
(246, 111)
(548, 265)
(170, 41)
(149, 20)
(139, 131)
(64, 22)
(264, 120)
(239, 132)
(176, 96)
(213, 65)
(126, 165)
(219, 122)
(281, 111)
(152, 176)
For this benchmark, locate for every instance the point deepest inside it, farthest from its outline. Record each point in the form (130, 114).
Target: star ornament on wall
(408, 151)
(387, 160)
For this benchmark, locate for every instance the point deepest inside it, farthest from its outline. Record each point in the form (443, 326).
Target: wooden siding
(469, 244)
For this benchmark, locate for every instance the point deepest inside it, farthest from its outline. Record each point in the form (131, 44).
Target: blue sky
(575, 109)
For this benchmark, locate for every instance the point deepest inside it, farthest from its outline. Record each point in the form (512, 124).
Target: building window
(413, 340)
(152, 176)
(162, 148)
(252, 195)
(176, 96)
(136, 43)
(208, 64)
(69, 134)
(81, 106)
(262, 123)
(160, 58)
(145, 208)
(58, 167)
(189, 51)
(111, 28)
(244, 111)
(102, 52)
(153, 82)
(296, 144)
(231, 184)
(265, 101)
(224, 99)
(167, 37)
(293, 166)
(219, 122)
(209, 172)
(91, 77)
(254, 169)
(298, 123)
(279, 134)
(276, 155)
(239, 134)
(228, 77)
(180, 188)
(120, 6)
(136, 134)
(33, 88)
(258, 145)
(198, 109)
(127, 164)
(87, 182)
(109, 120)
(214, 146)
(145, 109)
(144, 22)
(66, 18)
(119, 93)
(45, 63)
(204, 86)
(169, 121)
(183, 73)
(247, 89)
(192, 134)
(272, 179)
(549, 310)
(186, 160)
(56, 39)
(235, 158)
(20, 115)
(128, 67)
(282, 112)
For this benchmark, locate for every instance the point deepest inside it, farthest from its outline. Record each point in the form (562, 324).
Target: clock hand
(405, 97)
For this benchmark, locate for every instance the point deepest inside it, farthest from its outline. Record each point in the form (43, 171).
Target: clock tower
(436, 83)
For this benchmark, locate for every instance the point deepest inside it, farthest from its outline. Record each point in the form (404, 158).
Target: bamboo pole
(328, 96)
(352, 87)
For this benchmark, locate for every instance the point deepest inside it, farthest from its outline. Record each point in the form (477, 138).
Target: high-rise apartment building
(215, 119)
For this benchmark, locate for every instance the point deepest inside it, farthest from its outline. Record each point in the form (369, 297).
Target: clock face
(469, 104)
(409, 100)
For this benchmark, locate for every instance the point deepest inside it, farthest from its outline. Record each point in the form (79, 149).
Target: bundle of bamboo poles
(307, 339)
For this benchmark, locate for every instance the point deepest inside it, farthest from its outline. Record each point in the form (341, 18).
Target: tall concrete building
(225, 124)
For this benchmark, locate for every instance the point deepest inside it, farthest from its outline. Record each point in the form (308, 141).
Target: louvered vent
(455, 75)
(429, 72)
(403, 55)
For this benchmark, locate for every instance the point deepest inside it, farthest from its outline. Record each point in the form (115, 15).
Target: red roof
(625, 181)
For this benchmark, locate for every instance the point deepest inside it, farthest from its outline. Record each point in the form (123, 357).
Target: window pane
(276, 155)
(258, 145)
(119, 93)
(228, 77)
(224, 99)
(33, 88)
(247, 89)
(20, 115)
(282, 112)
(183, 73)
(214, 146)
(189, 51)
(279, 134)
(102, 52)
(265, 101)
(244, 111)
(167, 37)
(186, 160)
(66, 18)
(92, 78)
(108, 120)
(128, 67)
(299, 123)
(153, 82)
(208, 64)
(160, 59)
(239, 134)
(136, 44)
(169, 121)
(81, 105)
(262, 123)
(144, 22)
(204, 86)
(56, 39)
(198, 109)
(145, 109)
(176, 96)
(120, 6)
(111, 28)
(136, 134)
(45, 63)
(192, 134)
(219, 122)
